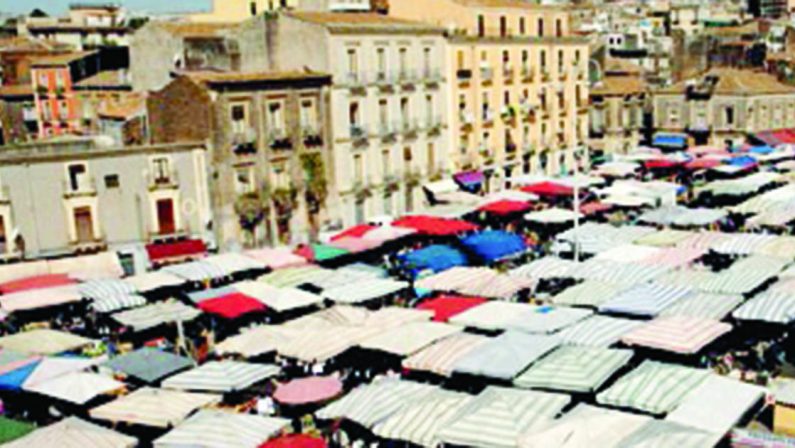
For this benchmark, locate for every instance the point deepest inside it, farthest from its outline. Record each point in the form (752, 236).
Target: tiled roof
(619, 85)
(732, 81)
(60, 59)
(16, 90)
(621, 66)
(125, 107)
(106, 79)
(241, 77)
(357, 20)
(23, 44)
(195, 29)
(512, 4)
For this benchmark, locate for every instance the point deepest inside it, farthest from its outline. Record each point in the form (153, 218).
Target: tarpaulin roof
(545, 268)
(356, 231)
(384, 234)
(590, 293)
(13, 429)
(255, 341)
(666, 433)
(364, 290)
(176, 250)
(221, 376)
(276, 257)
(73, 432)
(39, 298)
(148, 364)
(77, 387)
(410, 338)
(103, 288)
(505, 207)
(313, 389)
(429, 225)
(52, 367)
(150, 281)
(446, 306)
(493, 245)
(476, 281)
(653, 387)
(548, 188)
(705, 306)
(159, 313)
(232, 306)
(597, 331)
(232, 263)
(197, 271)
(116, 303)
(774, 307)
(506, 356)
(278, 299)
(222, 429)
(648, 299)
(153, 407)
(14, 379)
(574, 369)
(440, 357)
(434, 258)
(43, 342)
(585, 425)
(678, 334)
(670, 140)
(295, 441)
(354, 245)
(35, 282)
(420, 422)
(320, 252)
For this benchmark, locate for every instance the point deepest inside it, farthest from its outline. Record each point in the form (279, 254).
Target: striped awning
(278, 299)
(296, 276)
(545, 268)
(222, 429)
(629, 253)
(105, 288)
(648, 299)
(476, 282)
(678, 334)
(498, 416)
(653, 387)
(597, 331)
(590, 293)
(617, 272)
(408, 339)
(256, 341)
(232, 263)
(574, 369)
(664, 238)
(372, 403)
(151, 281)
(735, 281)
(705, 240)
(39, 298)
(156, 314)
(43, 342)
(704, 305)
(773, 307)
(196, 271)
(593, 238)
(441, 356)
(506, 356)
(686, 276)
(494, 315)
(116, 303)
(420, 422)
(781, 247)
(221, 376)
(664, 433)
(743, 243)
(73, 432)
(364, 290)
(153, 407)
(683, 216)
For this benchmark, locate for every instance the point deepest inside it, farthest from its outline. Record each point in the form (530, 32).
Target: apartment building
(239, 10)
(74, 196)
(617, 108)
(388, 105)
(518, 84)
(724, 106)
(270, 163)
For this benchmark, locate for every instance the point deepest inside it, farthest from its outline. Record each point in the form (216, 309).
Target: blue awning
(742, 161)
(494, 245)
(14, 379)
(761, 149)
(435, 258)
(670, 140)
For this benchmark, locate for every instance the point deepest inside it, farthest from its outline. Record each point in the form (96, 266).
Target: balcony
(563, 74)
(387, 130)
(312, 136)
(163, 180)
(408, 128)
(358, 134)
(464, 75)
(465, 118)
(507, 74)
(432, 77)
(244, 141)
(486, 75)
(384, 80)
(356, 81)
(279, 140)
(433, 125)
(528, 75)
(488, 117)
(545, 76)
(406, 78)
(81, 187)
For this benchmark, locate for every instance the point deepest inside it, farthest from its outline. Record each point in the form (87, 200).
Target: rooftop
(622, 67)
(507, 4)
(60, 59)
(209, 77)
(730, 81)
(619, 86)
(23, 44)
(18, 90)
(105, 80)
(359, 21)
(125, 107)
(192, 29)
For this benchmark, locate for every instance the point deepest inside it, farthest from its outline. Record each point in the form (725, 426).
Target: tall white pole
(576, 208)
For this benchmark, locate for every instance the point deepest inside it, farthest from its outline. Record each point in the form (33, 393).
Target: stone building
(270, 163)
(617, 108)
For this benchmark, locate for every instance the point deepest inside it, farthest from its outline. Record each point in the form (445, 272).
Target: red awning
(295, 441)
(445, 307)
(176, 250)
(231, 306)
(36, 282)
(505, 207)
(594, 207)
(430, 225)
(357, 231)
(660, 164)
(701, 164)
(548, 189)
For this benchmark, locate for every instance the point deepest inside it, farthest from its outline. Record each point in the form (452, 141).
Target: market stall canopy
(156, 314)
(36, 282)
(411, 338)
(303, 391)
(232, 306)
(597, 331)
(221, 376)
(295, 441)
(76, 387)
(505, 207)
(151, 281)
(666, 433)
(54, 366)
(356, 231)
(477, 282)
(276, 257)
(584, 426)
(545, 268)
(506, 356)
(420, 422)
(73, 432)
(678, 334)
(441, 357)
(176, 251)
(552, 216)
(148, 364)
(429, 225)
(364, 290)
(278, 299)
(34, 299)
(43, 342)
(196, 271)
(664, 238)
(256, 341)
(590, 293)
(705, 306)
(159, 408)
(232, 263)
(86, 267)
(222, 429)
(494, 245)
(445, 307)
(433, 258)
(118, 303)
(647, 299)
(574, 369)
(654, 387)
(778, 308)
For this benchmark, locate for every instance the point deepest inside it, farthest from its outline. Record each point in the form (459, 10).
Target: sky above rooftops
(58, 7)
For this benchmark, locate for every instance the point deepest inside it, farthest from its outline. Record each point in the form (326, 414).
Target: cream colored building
(239, 10)
(725, 105)
(518, 83)
(617, 106)
(388, 105)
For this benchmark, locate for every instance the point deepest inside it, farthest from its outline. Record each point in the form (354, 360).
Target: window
(429, 108)
(281, 178)
(481, 26)
(525, 59)
(381, 61)
(405, 113)
(543, 58)
(561, 60)
(112, 181)
(485, 106)
(353, 114)
(253, 8)
(426, 60)
(506, 98)
(307, 114)
(238, 113)
(521, 26)
(462, 102)
(244, 180)
(353, 62)
(43, 81)
(460, 58)
(383, 112)
(559, 28)
(728, 115)
(59, 78)
(386, 163)
(403, 61)
(161, 171)
(407, 157)
(540, 27)
(506, 59)
(275, 117)
(463, 143)
(358, 168)
(76, 173)
(63, 110)
(431, 158)
(503, 26)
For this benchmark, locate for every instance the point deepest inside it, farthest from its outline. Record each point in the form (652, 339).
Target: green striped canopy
(323, 252)
(420, 421)
(705, 306)
(292, 277)
(664, 238)
(590, 293)
(13, 429)
(664, 433)
(574, 369)
(653, 387)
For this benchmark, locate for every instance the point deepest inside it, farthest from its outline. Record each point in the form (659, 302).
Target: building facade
(388, 105)
(519, 84)
(239, 10)
(618, 102)
(270, 163)
(724, 106)
(74, 196)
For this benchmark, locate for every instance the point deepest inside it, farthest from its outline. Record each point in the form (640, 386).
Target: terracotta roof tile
(364, 20)
(732, 81)
(106, 79)
(619, 85)
(508, 4)
(16, 90)
(195, 29)
(233, 77)
(123, 108)
(60, 59)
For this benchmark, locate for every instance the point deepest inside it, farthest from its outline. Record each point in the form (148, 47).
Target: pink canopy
(353, 244)
(277, 258)
(313, 389)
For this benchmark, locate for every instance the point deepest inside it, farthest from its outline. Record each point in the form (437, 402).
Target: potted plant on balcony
(251, 208)
(391, 185)
(362, 190)
(508, 113)
(316, 183)
(284, 199)
(412, 178)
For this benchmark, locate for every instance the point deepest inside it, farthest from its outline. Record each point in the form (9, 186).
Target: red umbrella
(445, 307)
(702, 163)
(653, 164)
(431, 225)
(232, 306)
(357, 231)
(505, 207)
(314, 389)
(548, 189)
(295, 441)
